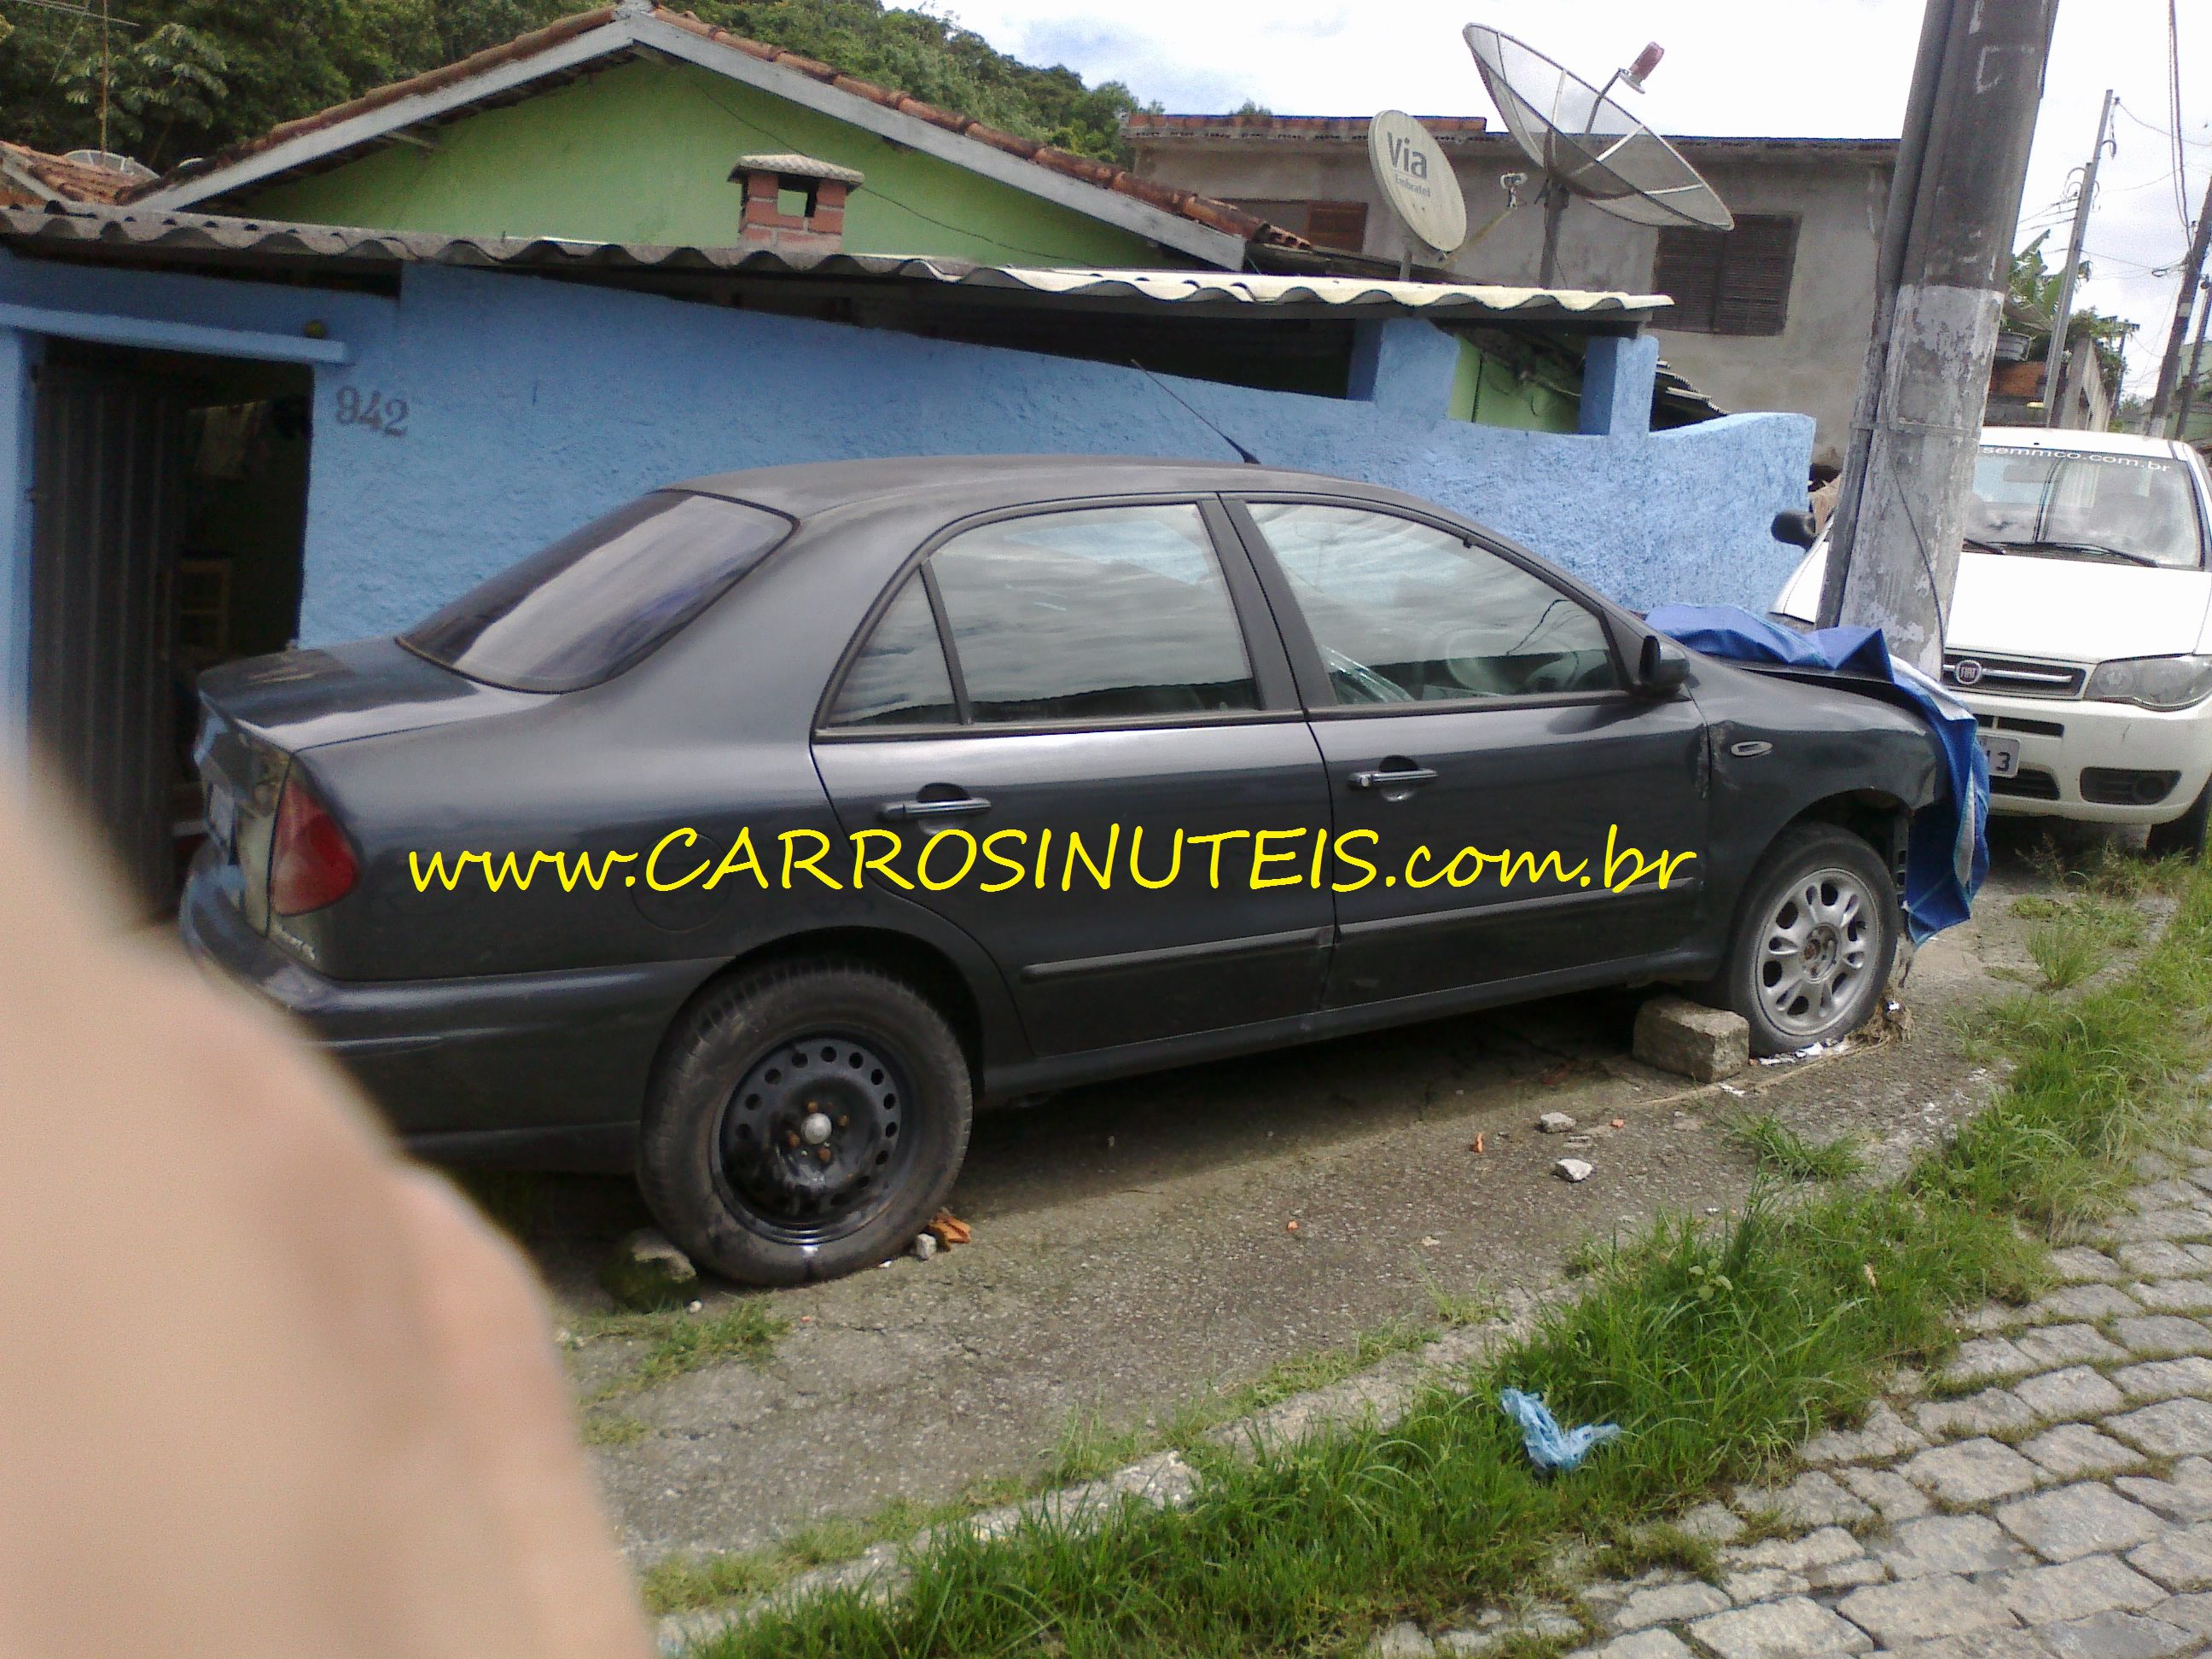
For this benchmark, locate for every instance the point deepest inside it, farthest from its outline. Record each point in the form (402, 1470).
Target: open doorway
(168, 524)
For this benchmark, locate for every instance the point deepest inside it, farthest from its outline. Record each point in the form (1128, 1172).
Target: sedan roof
(982, 481)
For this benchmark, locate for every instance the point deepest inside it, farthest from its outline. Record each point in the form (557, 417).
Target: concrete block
(1971, 1472)
(1677, 1035)
(2082, 1589)
(2076, 1521)
(2172, 1428)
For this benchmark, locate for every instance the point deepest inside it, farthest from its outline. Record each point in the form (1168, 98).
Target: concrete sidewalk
(2061, 1510)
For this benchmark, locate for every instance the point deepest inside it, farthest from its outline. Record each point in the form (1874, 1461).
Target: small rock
(1402, 1641)
(648, 1272)
(1555, 1123)
(1705, 1044)
(924, 1246)
(1573, 1169)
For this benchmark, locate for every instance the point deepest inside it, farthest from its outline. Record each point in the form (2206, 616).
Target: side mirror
(1661, 666)
(1797, 528)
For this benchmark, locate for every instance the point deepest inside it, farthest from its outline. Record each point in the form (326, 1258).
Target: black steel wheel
(809, 1146)
(804, 1121)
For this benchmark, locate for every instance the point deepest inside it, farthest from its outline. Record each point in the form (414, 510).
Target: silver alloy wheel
(1814, 951)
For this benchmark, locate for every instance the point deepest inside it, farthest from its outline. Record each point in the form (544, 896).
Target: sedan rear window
(603, 598)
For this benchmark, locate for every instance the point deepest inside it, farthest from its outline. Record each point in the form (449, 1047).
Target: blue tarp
(1949, 851)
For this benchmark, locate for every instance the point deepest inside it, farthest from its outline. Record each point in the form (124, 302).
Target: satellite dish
(1416, 180)
(1589, 145)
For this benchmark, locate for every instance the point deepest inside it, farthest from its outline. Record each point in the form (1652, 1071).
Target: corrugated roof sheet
(1103, 175)
(154, 236)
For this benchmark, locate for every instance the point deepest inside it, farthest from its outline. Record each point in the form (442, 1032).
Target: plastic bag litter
(1550, 1446)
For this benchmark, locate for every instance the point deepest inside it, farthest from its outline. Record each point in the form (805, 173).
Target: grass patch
(1089, 1449)
(2063, 954)
(683, 1583)
(678, 1342)
(1637, 1550)
(1717, 1348)
(605, 1428)
(1782, 1151)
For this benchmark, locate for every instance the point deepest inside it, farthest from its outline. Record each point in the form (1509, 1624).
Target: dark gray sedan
(750, 835)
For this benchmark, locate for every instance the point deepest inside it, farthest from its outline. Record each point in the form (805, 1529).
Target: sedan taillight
(311, 863)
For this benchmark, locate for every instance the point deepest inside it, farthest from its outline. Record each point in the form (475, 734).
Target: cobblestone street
(2047, 1496)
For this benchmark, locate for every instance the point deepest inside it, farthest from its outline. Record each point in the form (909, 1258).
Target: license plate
(2003, 753)
(223, 820)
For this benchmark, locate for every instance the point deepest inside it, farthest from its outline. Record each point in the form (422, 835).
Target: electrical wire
(2150, 126)
(2173, 95)
(73, 11)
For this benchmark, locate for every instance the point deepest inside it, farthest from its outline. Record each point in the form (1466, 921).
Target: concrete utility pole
(1945, 251)
(2054, 365)
(2191, 273)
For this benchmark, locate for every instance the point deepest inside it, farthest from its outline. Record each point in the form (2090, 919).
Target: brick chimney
(820, 187)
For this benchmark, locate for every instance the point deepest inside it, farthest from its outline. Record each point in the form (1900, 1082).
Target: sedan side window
(1107, 613)
(1404, 612)
(900, 679)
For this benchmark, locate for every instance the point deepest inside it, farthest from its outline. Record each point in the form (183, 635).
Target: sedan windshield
(2128, 510)
(600, 598)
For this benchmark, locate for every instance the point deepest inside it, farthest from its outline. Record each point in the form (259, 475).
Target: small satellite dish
(107, 159)
(1589, 145)
(1416, 180)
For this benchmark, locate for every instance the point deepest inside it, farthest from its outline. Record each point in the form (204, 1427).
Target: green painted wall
(642, 153)
(1490, 393)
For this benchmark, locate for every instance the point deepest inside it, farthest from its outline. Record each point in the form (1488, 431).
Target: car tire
(1824, 892)
(2184, 836)
(803, 1121)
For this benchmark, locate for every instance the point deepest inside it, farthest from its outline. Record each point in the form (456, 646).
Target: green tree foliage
(190, 76)
(2032, 301)
(167, 77)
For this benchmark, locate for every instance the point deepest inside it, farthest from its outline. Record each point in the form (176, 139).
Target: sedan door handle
(1403, 778)
(959, 806)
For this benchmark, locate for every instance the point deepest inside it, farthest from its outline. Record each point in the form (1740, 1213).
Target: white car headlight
(2152, 681)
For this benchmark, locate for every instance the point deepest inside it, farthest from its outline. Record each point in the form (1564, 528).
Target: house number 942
(374, 411)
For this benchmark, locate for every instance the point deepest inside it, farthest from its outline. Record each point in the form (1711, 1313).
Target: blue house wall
(532, 404)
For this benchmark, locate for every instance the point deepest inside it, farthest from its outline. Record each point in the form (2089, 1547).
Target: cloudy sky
(1826, 68)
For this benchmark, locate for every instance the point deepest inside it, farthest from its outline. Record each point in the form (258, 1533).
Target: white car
(2079, 632)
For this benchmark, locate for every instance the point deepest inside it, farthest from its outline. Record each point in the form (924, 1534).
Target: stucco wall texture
(532, 405)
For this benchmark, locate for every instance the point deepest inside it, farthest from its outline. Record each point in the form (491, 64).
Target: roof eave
(627, 32)
(384, 120)
(1155, 224)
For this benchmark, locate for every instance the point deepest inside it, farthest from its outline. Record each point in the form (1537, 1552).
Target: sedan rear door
(1065, 730)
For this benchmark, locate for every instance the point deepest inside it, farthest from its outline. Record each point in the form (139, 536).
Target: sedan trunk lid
(260, 712)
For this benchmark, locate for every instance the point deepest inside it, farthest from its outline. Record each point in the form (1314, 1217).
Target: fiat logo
(1968, 672)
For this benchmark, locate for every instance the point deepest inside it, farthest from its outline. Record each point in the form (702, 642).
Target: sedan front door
(1506, 809)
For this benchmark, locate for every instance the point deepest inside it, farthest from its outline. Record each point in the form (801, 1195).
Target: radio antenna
(1250, 459)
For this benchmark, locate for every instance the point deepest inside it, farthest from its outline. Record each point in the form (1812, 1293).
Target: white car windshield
(2132, 509)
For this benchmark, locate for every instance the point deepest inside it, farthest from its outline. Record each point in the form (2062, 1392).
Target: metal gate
(106, 518)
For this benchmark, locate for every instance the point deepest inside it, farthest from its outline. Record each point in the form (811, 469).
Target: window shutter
(1687, 269)
(1337, 224)
(1755, 292)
